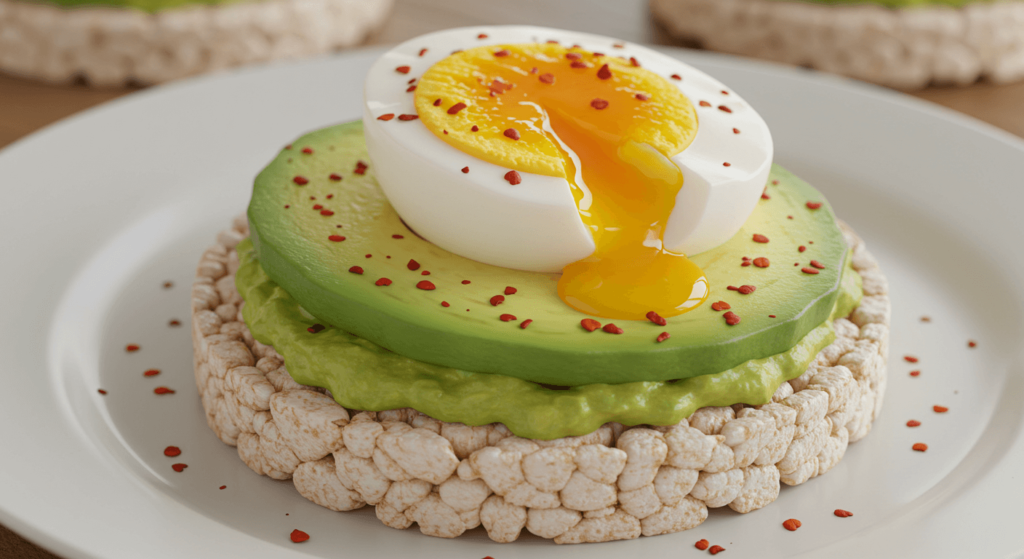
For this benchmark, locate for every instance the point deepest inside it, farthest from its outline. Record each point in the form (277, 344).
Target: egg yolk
(608, 127)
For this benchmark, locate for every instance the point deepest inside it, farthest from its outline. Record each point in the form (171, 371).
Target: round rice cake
(612, 484)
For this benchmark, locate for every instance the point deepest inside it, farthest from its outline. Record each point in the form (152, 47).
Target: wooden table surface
(27, 106)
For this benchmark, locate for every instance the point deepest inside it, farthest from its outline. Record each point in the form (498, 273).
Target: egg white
(536, 225)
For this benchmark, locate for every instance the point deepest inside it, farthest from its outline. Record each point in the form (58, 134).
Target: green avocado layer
(297, 208)
(150, 6)
(362, 375)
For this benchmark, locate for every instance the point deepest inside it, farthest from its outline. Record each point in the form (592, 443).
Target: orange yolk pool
(607, 126)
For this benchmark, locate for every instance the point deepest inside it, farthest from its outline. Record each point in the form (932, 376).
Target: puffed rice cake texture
(110, 47)
(616, 483)
(906, 48)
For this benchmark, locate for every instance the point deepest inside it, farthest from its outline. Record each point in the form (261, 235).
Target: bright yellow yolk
(608, 127)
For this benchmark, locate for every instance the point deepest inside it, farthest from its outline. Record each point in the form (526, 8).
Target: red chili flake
(223, 486)
(502, 53)
(327, 213)
(423, 51)
(771, 316)
(475, 128)
(132, 348)
(801, 248)
(913, 423)
(406, 117)
(619, 45)
(605, 72)
(746, 289)
(662, 337)
(316, 328)
(676, 77)
(298, 536)
(745, 264)
(789, 217)
(920, 447)
(843, 513)
(482, 36)
(289, 146)
(102, 392)
(497, 300)
(972, 343)
(716, 549)
(403, 69)
(579, 64)
(316, 206)
(369, 256)
(465, 282)
(175, 323)
(356, 270)
(410, 89)
(731, 318)
(454, 109)
(761, 262)
(910, 359)
(426, 285)
(817, 264)
(525, 323)
(940, 409)
(300, 180)
(810, 271)
(445, 304)
(775, 182)
(792, 524)
(546, 78)
(336, 238)
(758, 238)
(413, 265)
(425, 273)
(334, 177)
(813, 205)
(634, 62)
(735, 130)
(411, 81)
(168, 284)
(612, 329)
(307, 150)
(396, 237)
(702, 544)
(656, 318)
(589, 324)
(511, 133)
(179, 467)
(642, 96)
(598, 54)
(151, 373)
(724, 109)
(720, 306)
(726, 164)
(465, 169)
(765, 196)
(386, 116)
(513, 178)
(534, 70)
(796, 263)
(915, 373)
(926, 319)
(161, 390)
(573, 55)
(599, 104)
(507, 317)
(172, 451)
(383, 282)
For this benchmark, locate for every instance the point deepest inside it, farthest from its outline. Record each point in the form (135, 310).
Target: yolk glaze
(609, 130)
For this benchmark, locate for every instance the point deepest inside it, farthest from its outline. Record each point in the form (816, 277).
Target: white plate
(99, 210)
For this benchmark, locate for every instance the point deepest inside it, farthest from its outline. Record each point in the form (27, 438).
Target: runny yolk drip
(601, 123)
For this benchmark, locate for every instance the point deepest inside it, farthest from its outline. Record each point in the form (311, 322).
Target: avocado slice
(309, 230)
(362, 375)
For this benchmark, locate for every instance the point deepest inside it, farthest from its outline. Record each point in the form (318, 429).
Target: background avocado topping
(308, 191)
(362, 375)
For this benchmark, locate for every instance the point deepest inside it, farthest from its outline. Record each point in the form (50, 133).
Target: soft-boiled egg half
(554, 151)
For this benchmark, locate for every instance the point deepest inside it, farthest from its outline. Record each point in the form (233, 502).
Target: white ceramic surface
(99, 210)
